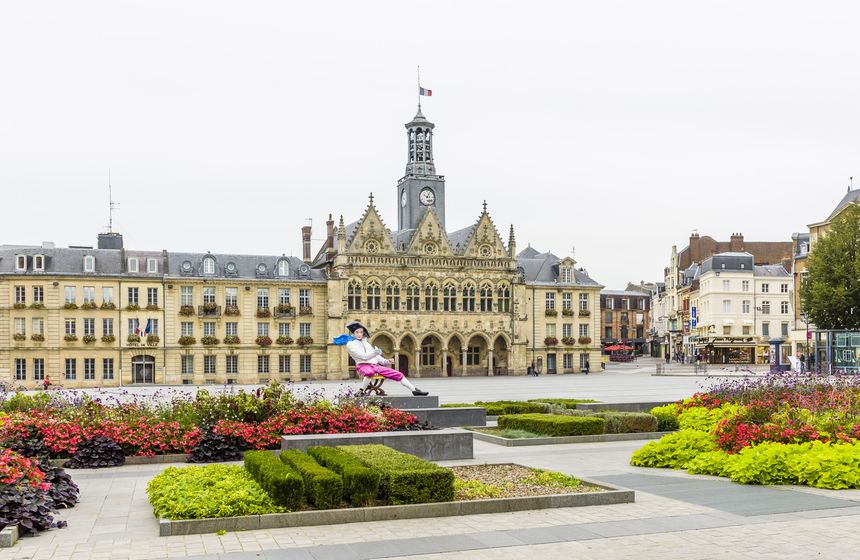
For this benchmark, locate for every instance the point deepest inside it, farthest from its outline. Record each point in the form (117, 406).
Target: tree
(831, 293)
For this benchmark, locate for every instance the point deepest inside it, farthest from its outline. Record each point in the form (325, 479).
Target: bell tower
(420, 188)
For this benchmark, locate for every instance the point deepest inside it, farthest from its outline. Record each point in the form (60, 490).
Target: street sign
(694, 321)
(693, 313)
(808, 335)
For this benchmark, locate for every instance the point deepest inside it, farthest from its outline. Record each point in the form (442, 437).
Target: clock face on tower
(403, 199)
(427, 196)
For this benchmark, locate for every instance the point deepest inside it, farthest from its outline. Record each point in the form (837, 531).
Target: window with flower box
(107, 327)
(89, 327)
(209, 328)
(186, 328)
(231, 328)
(89, 368)
(566, 330)
(38, 294)
(71, 326)
(583, 302)
(284, 296)
(231, 297)
(550, 300)
(71, 370)
(133, 296)
(20, 326)
(187, 364)
(39, 369)
(20, 369)
(304, 297)
(304, 329)
(89, 295)
(283, 364)
(566, 300)
(232, 364)
(262, 329)
(550, 329)
(69, 293)
(209, 295)
(262, 298)
(186, 295)
(583, 329)
(283, 329)
(38, 326)
(304, 364)
(107, 368)
(152, 297)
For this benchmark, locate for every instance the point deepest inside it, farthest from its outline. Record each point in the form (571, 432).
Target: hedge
(405, 479)
(667, 417)
(360, 484)
(323, 488)
(282, 483)
(498, 408)
(553, 424)
(565, 403)
(618, 422)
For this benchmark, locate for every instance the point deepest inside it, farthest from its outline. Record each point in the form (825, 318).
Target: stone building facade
(439, 302)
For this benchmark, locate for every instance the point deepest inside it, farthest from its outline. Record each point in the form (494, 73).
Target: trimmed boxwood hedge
(323, 488)
(553, 424)
(283, 484)
(618, 422)
(405, 479)
(497, 408)
(360, 484)
(565, 403)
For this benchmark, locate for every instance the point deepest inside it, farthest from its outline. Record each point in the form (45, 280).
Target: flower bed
(210, 427)
(780, 429)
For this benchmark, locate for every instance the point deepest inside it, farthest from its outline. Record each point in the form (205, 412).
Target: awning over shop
(726, 342)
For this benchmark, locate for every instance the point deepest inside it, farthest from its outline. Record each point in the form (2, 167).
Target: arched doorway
(476, 356)
(406, 354)
(455, 355)
(500, 356)
(143, 369)
(431, 356)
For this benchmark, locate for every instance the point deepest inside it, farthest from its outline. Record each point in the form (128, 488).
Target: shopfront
(726, 349)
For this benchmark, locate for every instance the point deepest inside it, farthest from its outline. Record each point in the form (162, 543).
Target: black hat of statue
(352, 325)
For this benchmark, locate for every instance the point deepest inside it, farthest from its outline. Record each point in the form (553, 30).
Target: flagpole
(419, 87)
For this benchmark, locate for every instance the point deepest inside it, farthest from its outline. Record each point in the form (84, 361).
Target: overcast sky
(615, 127)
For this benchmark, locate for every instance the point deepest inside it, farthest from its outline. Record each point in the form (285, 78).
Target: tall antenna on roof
(111, 204)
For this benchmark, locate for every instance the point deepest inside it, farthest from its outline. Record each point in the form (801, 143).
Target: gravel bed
(514, 480)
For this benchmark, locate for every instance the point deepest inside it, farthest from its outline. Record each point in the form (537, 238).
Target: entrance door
(449, 366)
(403, 364)
(550, 363)
(143, 369)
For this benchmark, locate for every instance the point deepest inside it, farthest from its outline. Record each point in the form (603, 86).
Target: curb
(9, 536)
(612, 495)
(599, 438)
(154, 460)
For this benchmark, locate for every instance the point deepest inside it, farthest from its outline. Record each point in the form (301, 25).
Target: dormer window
(89, 263)
(283, 267)
(152, 265)
(132, 264)
(39, 263)
(20, 263)
(208, 265)
(566, 274)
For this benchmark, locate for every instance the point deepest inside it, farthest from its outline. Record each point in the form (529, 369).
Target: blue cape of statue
(342, 339)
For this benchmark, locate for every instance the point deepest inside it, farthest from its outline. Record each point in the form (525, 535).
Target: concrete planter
(566, 439)
(9, 536)
(450, 417)
(612, 495)
(433, 445)
(407, 401)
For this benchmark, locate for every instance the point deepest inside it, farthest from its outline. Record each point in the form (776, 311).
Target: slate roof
(460, 237)
(850, 197)
(261, 267)
(772, 270)
(542, 269)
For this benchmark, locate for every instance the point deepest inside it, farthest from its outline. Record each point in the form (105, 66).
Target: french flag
(422, 91)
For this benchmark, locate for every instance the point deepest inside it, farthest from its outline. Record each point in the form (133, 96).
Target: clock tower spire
(420, 187)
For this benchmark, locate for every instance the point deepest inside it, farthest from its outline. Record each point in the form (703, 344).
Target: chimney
(736, 243)
(329, 236)
(306, 243)
(695, 248)
(110, 240)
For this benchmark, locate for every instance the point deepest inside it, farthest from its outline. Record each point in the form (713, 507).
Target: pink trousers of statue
(369, 370)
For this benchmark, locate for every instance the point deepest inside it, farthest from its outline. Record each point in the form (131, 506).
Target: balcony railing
(209, 310)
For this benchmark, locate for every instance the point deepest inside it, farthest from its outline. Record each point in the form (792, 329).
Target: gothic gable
(485, 242)
(370, 236)
(429, 237)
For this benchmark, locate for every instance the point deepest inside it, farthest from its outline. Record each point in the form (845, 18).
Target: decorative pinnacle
(485, 206)
(371, 199)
